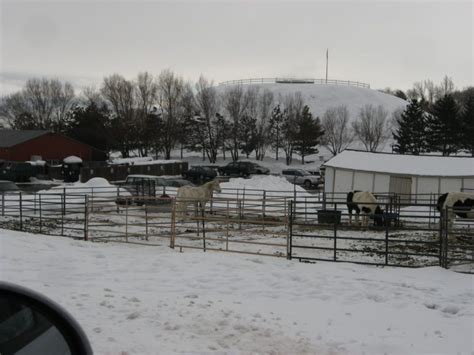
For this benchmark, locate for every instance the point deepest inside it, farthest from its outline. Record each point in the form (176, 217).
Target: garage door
(401, 186)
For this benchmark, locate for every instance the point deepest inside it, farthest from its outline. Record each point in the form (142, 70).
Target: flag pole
(327, 60)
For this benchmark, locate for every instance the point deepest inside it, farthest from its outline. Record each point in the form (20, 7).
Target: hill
(320, 97)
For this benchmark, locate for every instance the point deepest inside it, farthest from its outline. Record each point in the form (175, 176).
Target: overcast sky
(386, 44)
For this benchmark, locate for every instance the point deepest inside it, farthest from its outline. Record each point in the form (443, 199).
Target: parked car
(242, 168)
(301, 177)
(319, 174)
(141, 187)
(201, 173)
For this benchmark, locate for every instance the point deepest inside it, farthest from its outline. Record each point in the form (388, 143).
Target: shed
(410, 176)
(22, 145)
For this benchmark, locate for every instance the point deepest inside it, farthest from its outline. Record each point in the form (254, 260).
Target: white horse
(198, 196)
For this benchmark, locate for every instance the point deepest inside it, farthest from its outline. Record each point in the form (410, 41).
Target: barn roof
(12, 137)
(421, 165)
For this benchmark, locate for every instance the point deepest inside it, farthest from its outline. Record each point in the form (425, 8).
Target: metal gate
(457, 242)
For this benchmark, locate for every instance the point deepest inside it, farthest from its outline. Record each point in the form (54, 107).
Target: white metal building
(407, 175)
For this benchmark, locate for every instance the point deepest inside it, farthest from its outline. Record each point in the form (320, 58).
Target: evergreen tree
(276, 122)
(467, 125)
(248, 134)
(308, 134)
(410, 136)
(91, 125)
(400, 94)
(443, 126)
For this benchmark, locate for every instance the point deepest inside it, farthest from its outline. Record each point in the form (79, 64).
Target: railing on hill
(295, 81)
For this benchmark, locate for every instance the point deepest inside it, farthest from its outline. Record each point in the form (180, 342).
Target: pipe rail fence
(294, 81)
(409, 238)
(293, 224)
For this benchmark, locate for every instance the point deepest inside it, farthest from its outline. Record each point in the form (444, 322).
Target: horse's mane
(209, 185)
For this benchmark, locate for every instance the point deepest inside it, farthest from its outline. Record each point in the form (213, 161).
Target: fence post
(63, 207)
(173, 223)
(387, 225)
(21, 211)
(86, 217)
(239, 204)
(146, 222)
(446, 238)
(305, 209)
(289, 238)
(264, 203)
(126, 225)
(441, 241)
(203, 231)
(92, 198)
(62, 216)
(335, 231)
(40, 214)
(227, 228)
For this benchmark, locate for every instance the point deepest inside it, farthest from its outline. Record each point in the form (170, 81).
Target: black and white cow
(367, 203)
(458, 203)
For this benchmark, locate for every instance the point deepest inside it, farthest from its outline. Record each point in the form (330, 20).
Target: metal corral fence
(408, 235)
(294, 81)
(293, 224)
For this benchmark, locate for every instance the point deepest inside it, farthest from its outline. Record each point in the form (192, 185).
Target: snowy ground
(154, 300)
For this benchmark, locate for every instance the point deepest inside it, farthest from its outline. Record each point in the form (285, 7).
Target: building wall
(362, 181)
(450, 184)
(381, 183)
(468, 183)
(50, 146)
(340, 181)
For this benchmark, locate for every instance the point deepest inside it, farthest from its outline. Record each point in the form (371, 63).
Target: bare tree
(371, 127)
(446, 87)
(235, 103)
(146, 95)
(265, 108)
(12, 107)
(292, 112)
(171, 89)
(207, 106)
(121, 94)
(337, 132)
(41, 104)
(430, 91)
(90, 95)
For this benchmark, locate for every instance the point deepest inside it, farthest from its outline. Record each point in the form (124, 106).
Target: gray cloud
(383, 43)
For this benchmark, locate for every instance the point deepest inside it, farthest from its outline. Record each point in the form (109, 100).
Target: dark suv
(242, 168)
(201, 173)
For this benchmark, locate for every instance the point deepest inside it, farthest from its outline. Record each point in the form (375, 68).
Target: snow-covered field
(139, 300)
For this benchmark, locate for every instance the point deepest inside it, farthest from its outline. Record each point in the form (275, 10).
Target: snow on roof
(423, 165)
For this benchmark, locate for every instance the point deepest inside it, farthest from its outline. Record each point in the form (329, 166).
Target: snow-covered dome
(320, 96)
(72, 159)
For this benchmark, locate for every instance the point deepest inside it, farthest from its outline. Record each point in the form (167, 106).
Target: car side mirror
(30, 323)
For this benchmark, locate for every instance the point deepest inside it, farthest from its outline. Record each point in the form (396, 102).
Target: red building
(22, 145)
